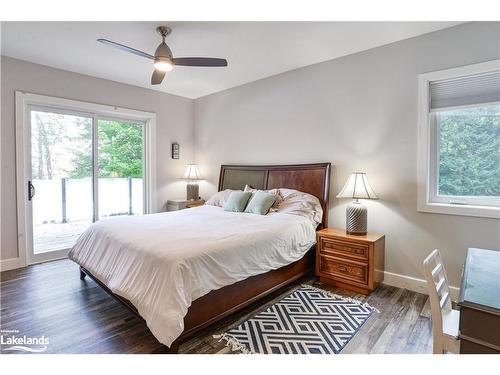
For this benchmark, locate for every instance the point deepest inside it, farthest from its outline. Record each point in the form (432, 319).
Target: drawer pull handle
(342, 268)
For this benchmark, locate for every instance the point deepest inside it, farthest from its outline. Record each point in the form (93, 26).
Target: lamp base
(192, 191)
(356, 222)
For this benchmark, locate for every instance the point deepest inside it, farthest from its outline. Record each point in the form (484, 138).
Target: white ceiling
(254, 50)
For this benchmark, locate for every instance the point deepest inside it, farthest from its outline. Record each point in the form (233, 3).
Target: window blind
(476, 89)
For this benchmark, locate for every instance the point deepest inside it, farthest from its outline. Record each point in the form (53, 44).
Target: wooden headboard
(309, 178)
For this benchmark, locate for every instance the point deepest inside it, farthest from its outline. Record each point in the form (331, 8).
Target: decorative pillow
(275, 192)
(260, 203)
(219, 199)
(237, 201)
(303, 204)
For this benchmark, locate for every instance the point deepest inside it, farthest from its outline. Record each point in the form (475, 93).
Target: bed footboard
(220, 303)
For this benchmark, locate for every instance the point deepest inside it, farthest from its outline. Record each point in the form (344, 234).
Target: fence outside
(65, 200)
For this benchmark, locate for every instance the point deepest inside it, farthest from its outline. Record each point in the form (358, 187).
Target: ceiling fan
(163, 60)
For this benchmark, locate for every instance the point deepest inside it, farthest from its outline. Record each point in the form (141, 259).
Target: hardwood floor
(79, 317)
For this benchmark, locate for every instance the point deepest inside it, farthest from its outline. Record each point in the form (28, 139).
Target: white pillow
(219, 199)
(298, 203)
(275, 192)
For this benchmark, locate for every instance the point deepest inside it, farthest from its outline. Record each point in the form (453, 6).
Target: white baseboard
(10, 264)
(412, 283)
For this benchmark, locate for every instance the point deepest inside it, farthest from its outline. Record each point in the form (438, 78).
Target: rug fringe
(233, 343)
(338, 296)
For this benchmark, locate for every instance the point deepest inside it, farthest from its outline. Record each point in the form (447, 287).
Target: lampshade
(192, 172)
(357, 187)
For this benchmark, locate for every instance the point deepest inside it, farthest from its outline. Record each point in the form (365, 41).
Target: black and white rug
(309, 320)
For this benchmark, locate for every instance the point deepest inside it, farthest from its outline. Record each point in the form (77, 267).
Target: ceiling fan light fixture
(163, 59)
(163, 64)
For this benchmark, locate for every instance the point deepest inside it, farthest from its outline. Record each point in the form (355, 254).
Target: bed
(127, 257)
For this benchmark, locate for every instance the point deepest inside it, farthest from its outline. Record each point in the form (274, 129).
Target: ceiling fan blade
(126, 48)
(199, 61)
(157, 77)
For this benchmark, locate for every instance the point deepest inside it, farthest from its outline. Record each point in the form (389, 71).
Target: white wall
(360, 113)
(174, 124)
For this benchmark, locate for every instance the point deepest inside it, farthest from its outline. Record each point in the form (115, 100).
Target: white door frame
(24, 101)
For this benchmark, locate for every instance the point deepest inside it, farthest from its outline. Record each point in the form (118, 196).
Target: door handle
(31, 191)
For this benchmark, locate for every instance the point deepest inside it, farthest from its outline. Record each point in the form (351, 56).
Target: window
(459, 141)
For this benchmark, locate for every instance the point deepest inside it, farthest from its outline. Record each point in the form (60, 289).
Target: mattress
(162, 262)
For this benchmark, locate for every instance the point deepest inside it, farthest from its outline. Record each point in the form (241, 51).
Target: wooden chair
(444, 319)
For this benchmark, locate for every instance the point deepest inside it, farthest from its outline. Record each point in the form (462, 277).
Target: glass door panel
(120, 167)
(61, 176)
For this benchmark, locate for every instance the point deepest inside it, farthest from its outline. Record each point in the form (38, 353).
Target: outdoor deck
(57, 236)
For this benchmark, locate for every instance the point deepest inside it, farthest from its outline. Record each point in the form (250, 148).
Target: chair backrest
(439, 292)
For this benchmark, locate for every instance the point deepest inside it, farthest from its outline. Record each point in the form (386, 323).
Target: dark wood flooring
(79, 317)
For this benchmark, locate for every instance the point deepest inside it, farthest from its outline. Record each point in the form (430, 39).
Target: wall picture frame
(175, 150)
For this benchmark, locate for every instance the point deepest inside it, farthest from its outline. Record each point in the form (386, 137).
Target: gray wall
(174, 123)
(360, 113)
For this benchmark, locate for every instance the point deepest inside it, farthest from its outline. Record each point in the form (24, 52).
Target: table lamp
(356, 187)
(192, 174)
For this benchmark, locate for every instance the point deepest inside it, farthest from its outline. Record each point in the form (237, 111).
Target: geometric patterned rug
(309, 320)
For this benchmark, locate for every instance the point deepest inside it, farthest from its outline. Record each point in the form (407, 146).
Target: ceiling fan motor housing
(163, 51)
(163, 57)
(163, 54)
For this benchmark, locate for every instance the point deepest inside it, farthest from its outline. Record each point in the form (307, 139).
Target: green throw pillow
(260, 203)
(237, 201)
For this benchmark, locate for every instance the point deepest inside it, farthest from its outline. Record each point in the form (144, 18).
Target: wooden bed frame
(310, 178)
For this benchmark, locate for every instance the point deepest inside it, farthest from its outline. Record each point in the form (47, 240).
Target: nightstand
(195, 203)
(180, 204)
(349, 261)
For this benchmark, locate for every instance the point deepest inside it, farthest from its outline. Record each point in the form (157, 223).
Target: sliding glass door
(61, 179)
(83, 168)
(120, 165)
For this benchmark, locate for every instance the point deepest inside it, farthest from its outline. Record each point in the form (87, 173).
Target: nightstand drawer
(343, 268)
(344, 248)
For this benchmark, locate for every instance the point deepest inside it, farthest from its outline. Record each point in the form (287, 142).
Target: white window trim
(426, 143)
(25, 101)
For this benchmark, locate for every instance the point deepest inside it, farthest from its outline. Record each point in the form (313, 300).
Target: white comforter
(162, 262)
